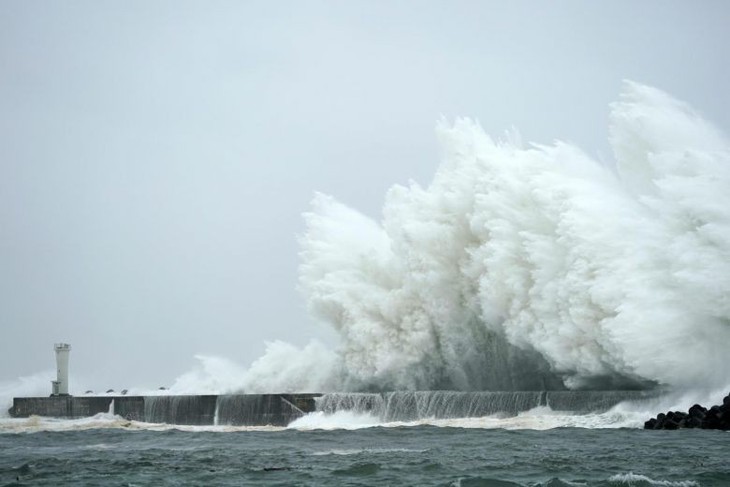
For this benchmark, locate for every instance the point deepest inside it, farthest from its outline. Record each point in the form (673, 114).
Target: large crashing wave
(537, 267)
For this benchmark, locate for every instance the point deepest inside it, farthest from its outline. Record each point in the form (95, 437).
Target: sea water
(350, 449)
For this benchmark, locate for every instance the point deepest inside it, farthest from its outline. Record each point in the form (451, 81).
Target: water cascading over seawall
(410, 406)
(253, 409)
(194, 410)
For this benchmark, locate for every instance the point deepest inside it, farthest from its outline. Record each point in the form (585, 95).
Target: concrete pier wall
(59, 406)
(282, 409)
(234, 410)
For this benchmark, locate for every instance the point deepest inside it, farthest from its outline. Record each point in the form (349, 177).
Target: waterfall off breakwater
(411, 406)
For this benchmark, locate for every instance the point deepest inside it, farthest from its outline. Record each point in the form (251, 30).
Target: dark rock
(693, 422)
(679, 415)
(697, 411)
(717, 417)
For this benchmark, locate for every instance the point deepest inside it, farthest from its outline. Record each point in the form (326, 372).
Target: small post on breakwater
(59, 387)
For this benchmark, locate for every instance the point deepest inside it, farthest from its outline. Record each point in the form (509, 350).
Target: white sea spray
(519, 265)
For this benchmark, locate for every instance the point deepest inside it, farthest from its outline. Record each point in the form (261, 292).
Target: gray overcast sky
(155, 157)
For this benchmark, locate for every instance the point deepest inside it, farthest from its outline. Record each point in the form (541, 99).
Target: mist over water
(527, 267)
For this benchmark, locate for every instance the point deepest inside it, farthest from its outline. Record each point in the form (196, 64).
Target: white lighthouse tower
(60, 385)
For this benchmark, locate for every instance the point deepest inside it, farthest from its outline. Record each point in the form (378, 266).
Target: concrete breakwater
(234, 410)
(413, 405)
(281, 409)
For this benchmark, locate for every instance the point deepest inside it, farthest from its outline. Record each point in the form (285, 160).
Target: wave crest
(537, 267)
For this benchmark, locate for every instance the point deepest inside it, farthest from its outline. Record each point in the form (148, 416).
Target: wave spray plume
(536, 267)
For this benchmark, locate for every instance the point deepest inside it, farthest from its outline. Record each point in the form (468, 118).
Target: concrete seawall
(234, 410)
(281, 409)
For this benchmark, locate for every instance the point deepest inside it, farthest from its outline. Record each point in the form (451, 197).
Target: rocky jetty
(714, 418)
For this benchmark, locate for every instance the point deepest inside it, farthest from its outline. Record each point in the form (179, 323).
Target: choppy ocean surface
(107, 450)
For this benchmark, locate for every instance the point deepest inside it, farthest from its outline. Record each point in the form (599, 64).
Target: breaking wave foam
(633, 479)
(537, 267)
(540, 418)
(32, 385)
(347, 420)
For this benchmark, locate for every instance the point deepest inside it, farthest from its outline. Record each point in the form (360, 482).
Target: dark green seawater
(415, 455)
